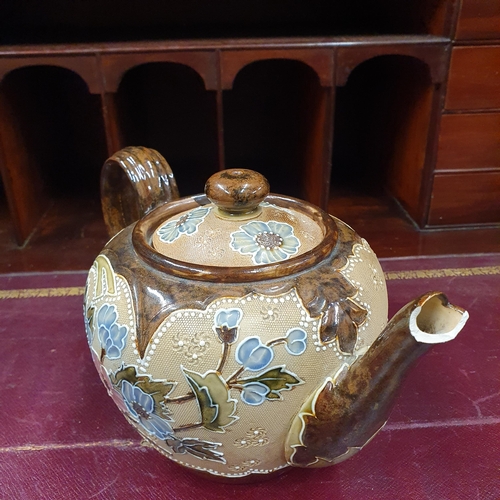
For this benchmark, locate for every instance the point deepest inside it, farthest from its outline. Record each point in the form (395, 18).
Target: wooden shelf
(205, 105)
(344, 95)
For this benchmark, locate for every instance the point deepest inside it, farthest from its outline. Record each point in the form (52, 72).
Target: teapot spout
(348, 410)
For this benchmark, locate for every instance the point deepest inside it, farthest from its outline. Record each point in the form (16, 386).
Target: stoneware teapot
(242, 332)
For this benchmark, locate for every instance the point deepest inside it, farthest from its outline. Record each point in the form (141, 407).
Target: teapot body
(215, 373)
(240, 332)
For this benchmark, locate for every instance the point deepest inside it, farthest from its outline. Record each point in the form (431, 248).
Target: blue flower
(296, 341)
(141, 407)
(254, 393)
(187, 224)
(112, 336)
(265, 242)
(228, 317)
(253, 354)
(226, 323)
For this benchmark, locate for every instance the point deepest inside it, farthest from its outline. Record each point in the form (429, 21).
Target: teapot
(241, 332)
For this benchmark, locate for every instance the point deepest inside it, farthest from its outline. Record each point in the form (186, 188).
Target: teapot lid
(236, 228)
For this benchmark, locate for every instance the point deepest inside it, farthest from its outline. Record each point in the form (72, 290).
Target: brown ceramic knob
(237, 191)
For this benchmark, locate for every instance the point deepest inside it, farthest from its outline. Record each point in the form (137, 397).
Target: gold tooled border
(442, 273)
(31, 293)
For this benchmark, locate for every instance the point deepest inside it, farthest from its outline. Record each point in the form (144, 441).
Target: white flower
(266, 242)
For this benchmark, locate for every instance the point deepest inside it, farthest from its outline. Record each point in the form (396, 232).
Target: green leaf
(216, 406)
(277, 379)
(90, 315)
(273, 395)
(128, 373)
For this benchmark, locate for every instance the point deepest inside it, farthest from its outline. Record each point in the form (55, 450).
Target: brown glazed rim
(143, 233)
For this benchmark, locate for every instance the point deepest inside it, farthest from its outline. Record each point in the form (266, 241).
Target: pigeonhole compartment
(166, 106)
(382, 135)
(53, 143)
(269, 117)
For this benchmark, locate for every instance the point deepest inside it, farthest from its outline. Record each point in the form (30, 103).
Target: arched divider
(115, 66)
(434, 55)
(319, 60)
(85, 66)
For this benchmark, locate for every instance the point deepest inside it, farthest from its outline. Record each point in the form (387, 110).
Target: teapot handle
(133, 182)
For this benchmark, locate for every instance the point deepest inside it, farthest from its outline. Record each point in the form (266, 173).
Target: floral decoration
(256, 436)
(269, 313)
(296, 341)
(254, 393)
(207, 243)
(112, 336)
(141, 407)
(193, 346)
(253, 355)
(265, 242)
(245, 465)
(276, 379)
(226, 322)
(187, 224)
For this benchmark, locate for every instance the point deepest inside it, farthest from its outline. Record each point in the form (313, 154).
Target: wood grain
(469, 141)
(479, 19)
(474, 78)
(465, 199)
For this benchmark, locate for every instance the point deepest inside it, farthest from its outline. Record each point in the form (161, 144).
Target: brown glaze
(351, 409)
(158, 291)
(237, 191)
(144, 229)
(133, 182)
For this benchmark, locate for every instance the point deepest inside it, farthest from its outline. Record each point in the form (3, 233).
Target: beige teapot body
(242, 333)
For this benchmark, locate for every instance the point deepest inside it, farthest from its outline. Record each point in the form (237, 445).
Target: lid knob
(237, 192)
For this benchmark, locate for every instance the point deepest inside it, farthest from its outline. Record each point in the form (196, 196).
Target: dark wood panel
(465, 199)
(23, 184)
(60, 21)
(479, 19)
(474, 79)
(469, 141)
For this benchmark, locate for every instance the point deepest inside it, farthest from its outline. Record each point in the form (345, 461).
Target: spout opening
(435, 320)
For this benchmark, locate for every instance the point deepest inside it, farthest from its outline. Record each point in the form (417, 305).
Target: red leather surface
(61, 437)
